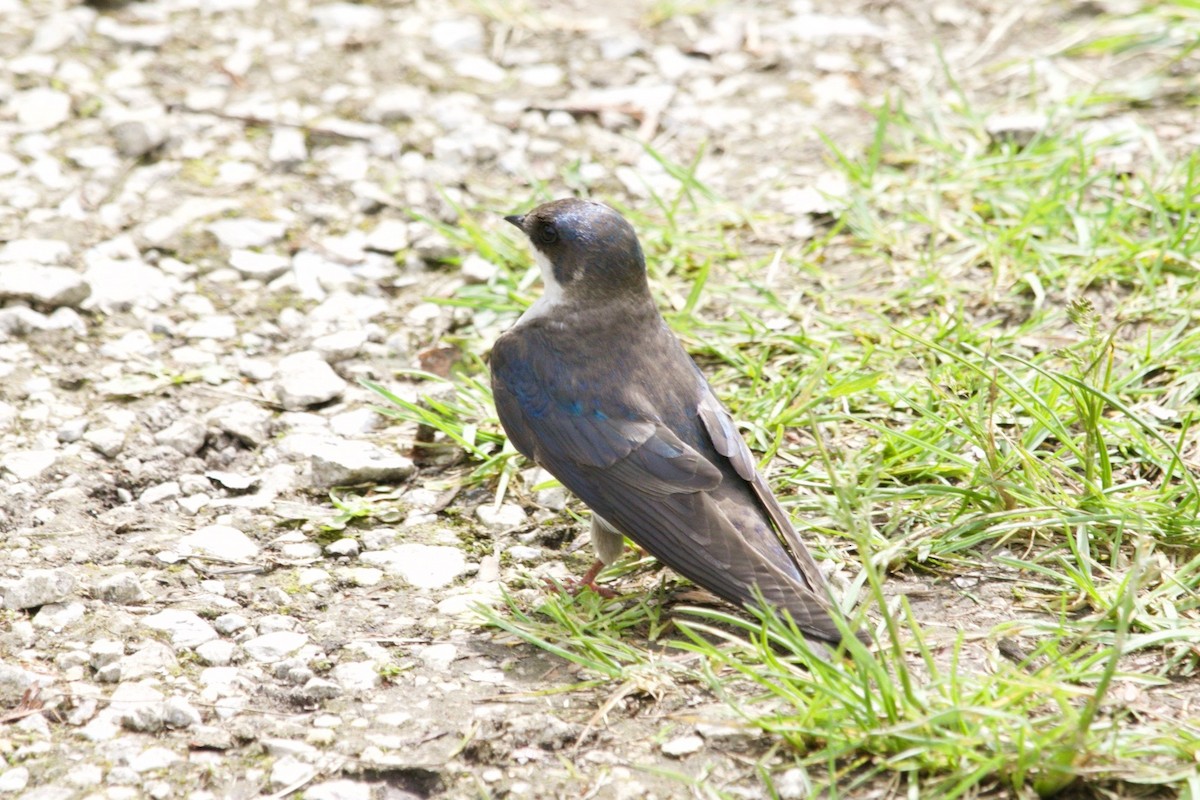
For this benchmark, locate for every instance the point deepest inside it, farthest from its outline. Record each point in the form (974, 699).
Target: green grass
(982, 376)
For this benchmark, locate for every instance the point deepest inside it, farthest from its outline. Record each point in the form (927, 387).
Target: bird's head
(587, 252)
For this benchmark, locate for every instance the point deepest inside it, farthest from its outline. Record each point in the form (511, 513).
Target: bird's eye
(548, 234)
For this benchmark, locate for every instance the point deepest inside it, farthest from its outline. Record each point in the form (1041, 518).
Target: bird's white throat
(552, 291)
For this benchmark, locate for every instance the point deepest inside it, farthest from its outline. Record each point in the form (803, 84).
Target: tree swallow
(592, 385)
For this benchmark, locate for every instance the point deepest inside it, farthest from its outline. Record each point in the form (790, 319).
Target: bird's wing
(574, 433)
(729, 443)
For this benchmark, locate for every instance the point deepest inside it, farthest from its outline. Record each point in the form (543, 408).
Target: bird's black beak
(516, 219)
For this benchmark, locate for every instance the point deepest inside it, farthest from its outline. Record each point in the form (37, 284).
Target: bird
(592, 385)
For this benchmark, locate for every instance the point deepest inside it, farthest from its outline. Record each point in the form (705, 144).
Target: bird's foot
(587, 581)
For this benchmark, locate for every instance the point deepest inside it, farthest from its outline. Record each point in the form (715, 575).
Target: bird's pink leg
(587, 581)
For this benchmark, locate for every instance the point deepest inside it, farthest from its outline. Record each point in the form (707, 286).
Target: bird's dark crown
(592, 250)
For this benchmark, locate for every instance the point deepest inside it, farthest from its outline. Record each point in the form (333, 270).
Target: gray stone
(244, 420)
(341, 345)
(421, 565)
(45, 286)
(259, 266)
(36, 251)
(135, 138)
(389, 236)
(683, 746)
(185, 628)
(234, 481)
(305, 379)
(178, 713)
(40, 109)
(152, 659)
(1018, 128)
(276, 646)
(289, 770)
(288, 146)
(220, 541)
(343, 547)
(317, 689)
(508, 515)
(346, 462)
(229, 624)
(14, 780)
(106, 441)
(72, 430)
(37, 587)
(243, 232)
(357, 677)
(160, 492)
(104, 652)
(56, 617)
(138, 707)
(477, 269)
(217, 653)
(28, 464)
(438, 657)
(123, 589)
(185, 435)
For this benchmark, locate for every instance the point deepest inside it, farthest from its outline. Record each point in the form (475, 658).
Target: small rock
(346, 462)
(28, 464)
(438, 657)
(56, 617)
(477, 269)
(229, 624)
(244, 420)
(135, 138)
(683, 746)
(288, 146)
(220, 541)
(317, 689)
(217, 653)
(178, 713)
(305, 379)
(1017, 128)
(793, 784)
(185, 628)
(167, 490)
(122, 589)
(138, 706)
(40, 109)
(45, 286)
(104, 652)
(343, 547)
(14, 780)
(153, 759)
(243, 232)
(152, 659)
(341, 345)
(72, 430)
(234, 481)
(108, 442)
(264, 267)
(356, 676)
(185, 435)
(37, 587)
(389, 236)
(508, 515)
(421, 565)
(525, 553)
(272, 647)
(289, 770)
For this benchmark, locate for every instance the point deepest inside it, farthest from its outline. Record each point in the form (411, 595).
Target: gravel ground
(204, 245)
